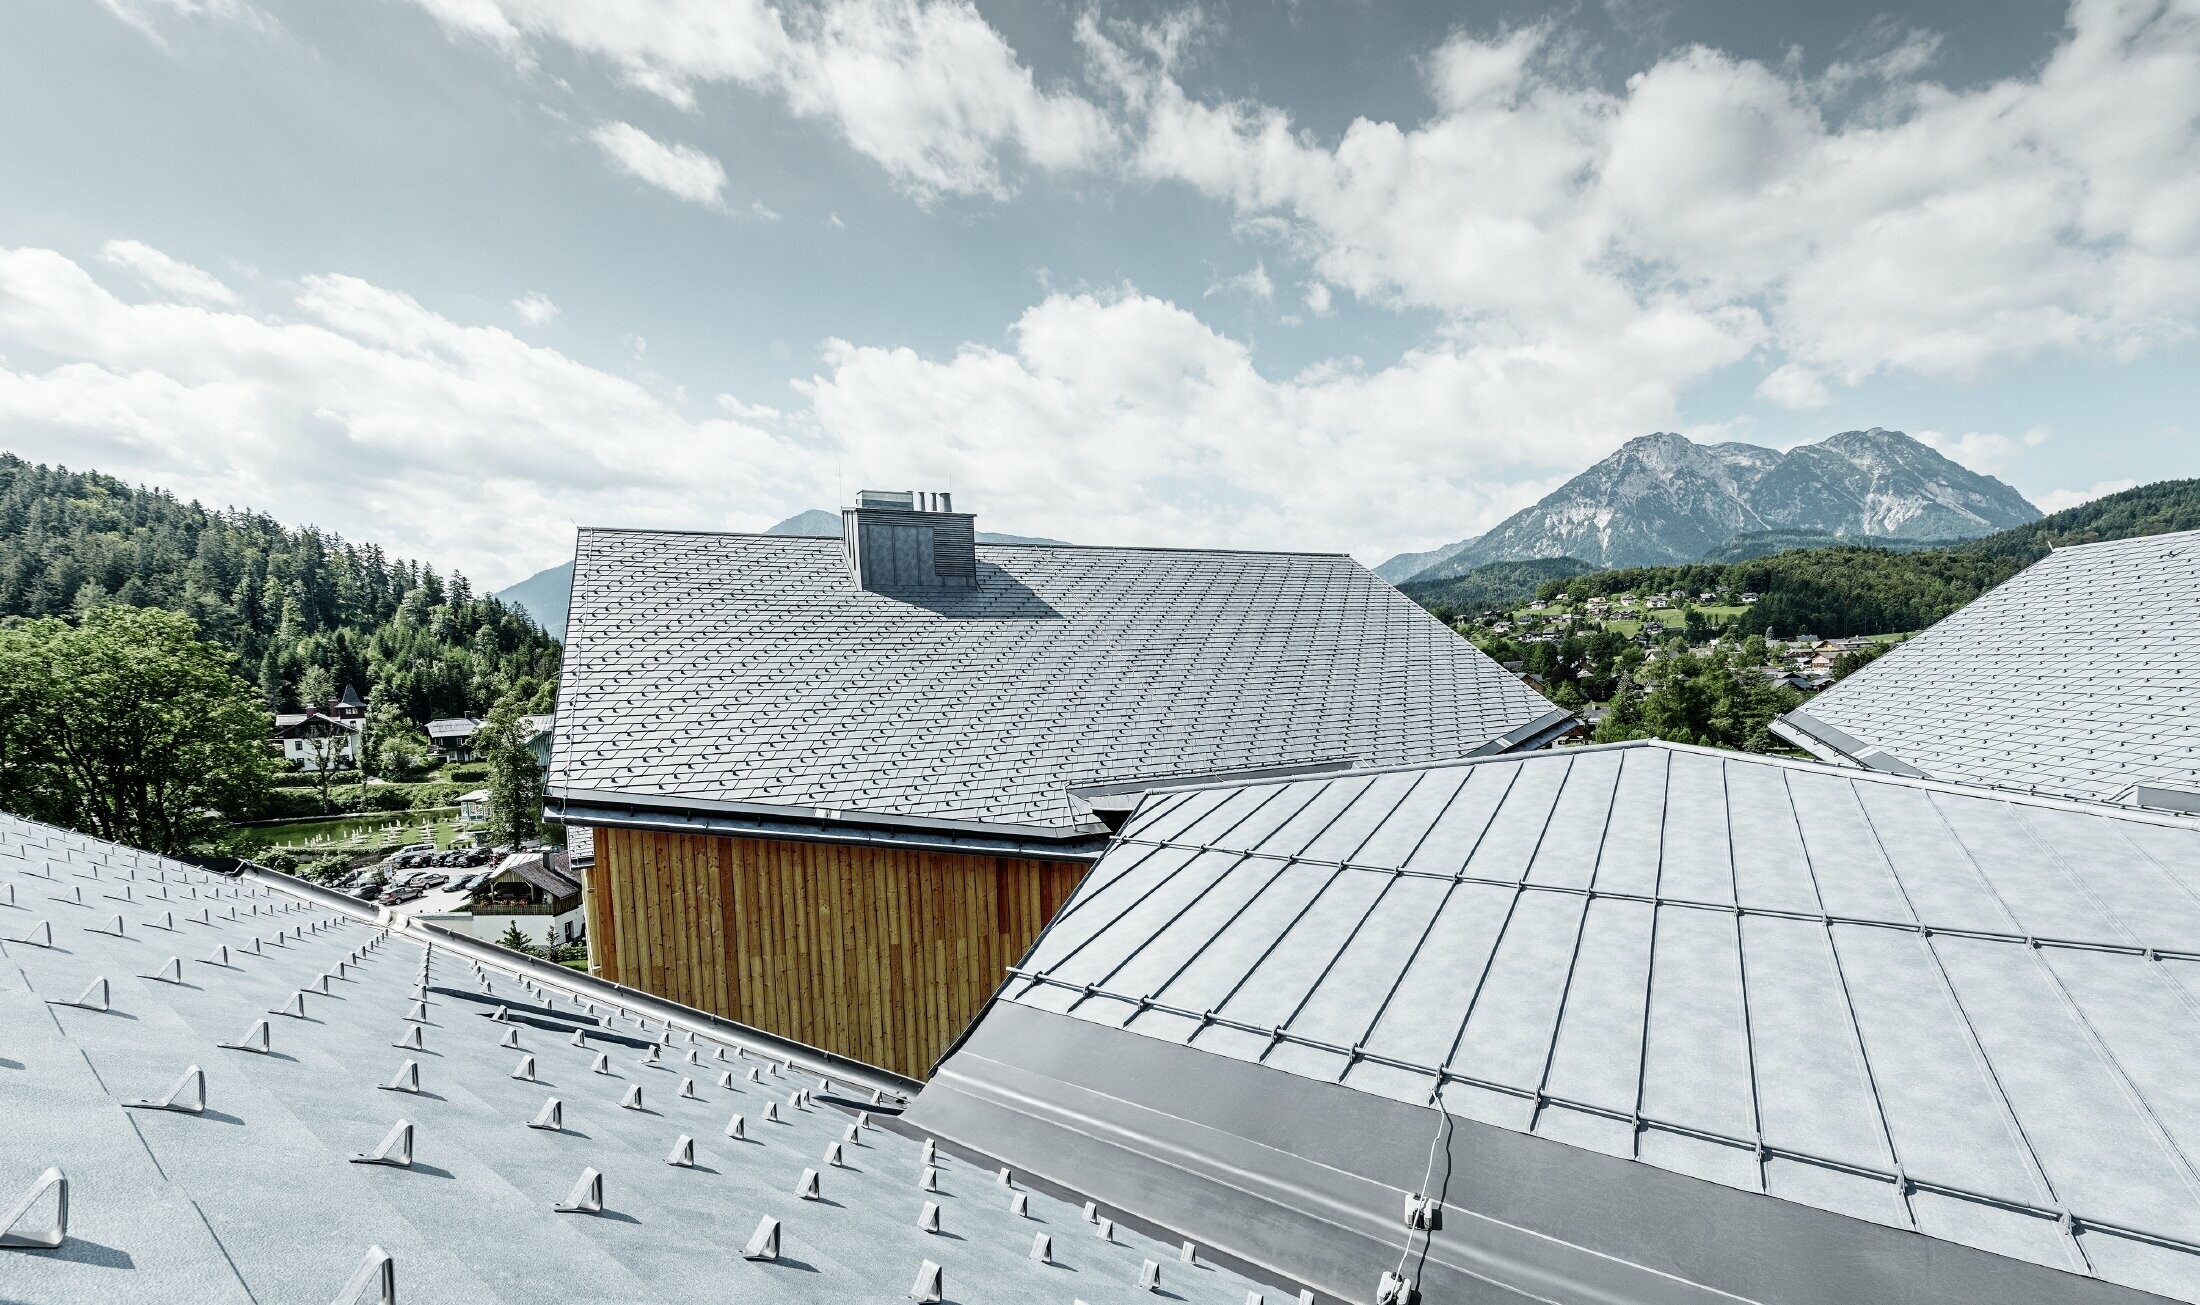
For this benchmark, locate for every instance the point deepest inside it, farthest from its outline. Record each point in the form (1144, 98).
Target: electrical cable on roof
(1428, 1173)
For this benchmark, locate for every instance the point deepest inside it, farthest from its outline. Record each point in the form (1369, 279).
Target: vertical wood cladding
(880, 954)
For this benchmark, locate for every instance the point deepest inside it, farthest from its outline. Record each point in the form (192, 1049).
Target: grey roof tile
(2073, 677)
(254, 1200)
(1807, 981)
(750, 668)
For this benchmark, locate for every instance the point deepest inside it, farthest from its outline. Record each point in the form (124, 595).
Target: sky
(455, 276)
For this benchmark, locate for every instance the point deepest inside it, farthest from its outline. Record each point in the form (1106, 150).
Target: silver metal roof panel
(752, 669)
(253, 1199)
(1952, 1010)
(2073, 677)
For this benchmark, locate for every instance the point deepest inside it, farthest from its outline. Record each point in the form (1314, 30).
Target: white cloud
(171, 277)
(679, 170)
(1794, 386)
(1317, 298)
(535, 308)
(1254, 284)
(1928, 229)
(1135, 422)
(145, 15)
(1984, 450)
(355, 408)
(2055, 500)
(926, 88)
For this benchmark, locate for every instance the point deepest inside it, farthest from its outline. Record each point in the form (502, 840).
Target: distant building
(452, 737)
(899, 751)
(315, 740)
(324, 735)
(537, 892)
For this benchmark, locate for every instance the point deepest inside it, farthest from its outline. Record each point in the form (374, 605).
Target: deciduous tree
(126, 725)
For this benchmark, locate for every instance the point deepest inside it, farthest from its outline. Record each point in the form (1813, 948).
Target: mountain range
(1665, 498)
(544, 594)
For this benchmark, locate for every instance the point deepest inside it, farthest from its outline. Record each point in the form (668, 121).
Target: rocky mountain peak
(1663, 498)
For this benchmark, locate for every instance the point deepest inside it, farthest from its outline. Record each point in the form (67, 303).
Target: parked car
(430, 882)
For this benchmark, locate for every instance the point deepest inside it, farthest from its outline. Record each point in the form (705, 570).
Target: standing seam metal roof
(253, 1198)
(2073, 677)
(1964, 1013)
(750, 668)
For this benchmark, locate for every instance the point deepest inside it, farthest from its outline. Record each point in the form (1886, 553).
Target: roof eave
(568, 806)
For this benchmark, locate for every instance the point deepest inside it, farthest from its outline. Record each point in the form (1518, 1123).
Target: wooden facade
(880, 954)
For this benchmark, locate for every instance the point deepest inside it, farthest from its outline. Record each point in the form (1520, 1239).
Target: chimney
(899, 540)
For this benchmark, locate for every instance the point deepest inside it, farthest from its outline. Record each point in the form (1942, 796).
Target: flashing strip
(816, 825)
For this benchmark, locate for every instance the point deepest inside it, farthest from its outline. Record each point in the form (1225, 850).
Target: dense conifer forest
(282, 599)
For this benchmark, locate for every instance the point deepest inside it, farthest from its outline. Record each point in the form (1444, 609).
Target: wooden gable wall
(879, 954)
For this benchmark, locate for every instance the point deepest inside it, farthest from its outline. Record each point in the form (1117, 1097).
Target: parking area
(423, 879)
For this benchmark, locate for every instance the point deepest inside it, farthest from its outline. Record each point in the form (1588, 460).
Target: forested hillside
(281, 599)
(1493, 584)
(1850, 590)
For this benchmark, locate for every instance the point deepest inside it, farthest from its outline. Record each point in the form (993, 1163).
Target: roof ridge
(1109, 548)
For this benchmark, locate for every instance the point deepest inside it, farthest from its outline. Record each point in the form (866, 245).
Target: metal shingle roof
(750, 668)
(253, 1199)
(1969, 1014)
(2073, 677)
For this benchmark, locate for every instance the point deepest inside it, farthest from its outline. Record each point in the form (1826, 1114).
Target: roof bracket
(255, 1040)
(187, 1097)
(551, 1118)
(94, 997)
(931, 1285)
(396, 1149)
(682, 1155)
(525, 1070)
(1042, 1248)
(374, 1282)
(736, 1129)
(16, 1234)
(764, 1242)
(172, 972)
(928, 1218)
(407, 1078)
(1395, 1289)
(586, 1196)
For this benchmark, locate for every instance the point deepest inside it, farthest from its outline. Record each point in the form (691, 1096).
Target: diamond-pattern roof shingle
(1955, 1011)
(752, 669)
(2073, 677)
(253, 1199)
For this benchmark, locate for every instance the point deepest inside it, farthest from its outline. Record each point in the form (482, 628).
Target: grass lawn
(363, 831)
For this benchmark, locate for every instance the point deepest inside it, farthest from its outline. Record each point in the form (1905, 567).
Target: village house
(875, 767)
(536, 892)
(324, 736)
(452, 737)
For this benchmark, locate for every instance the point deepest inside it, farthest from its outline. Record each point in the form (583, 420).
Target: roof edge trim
(613, 811)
